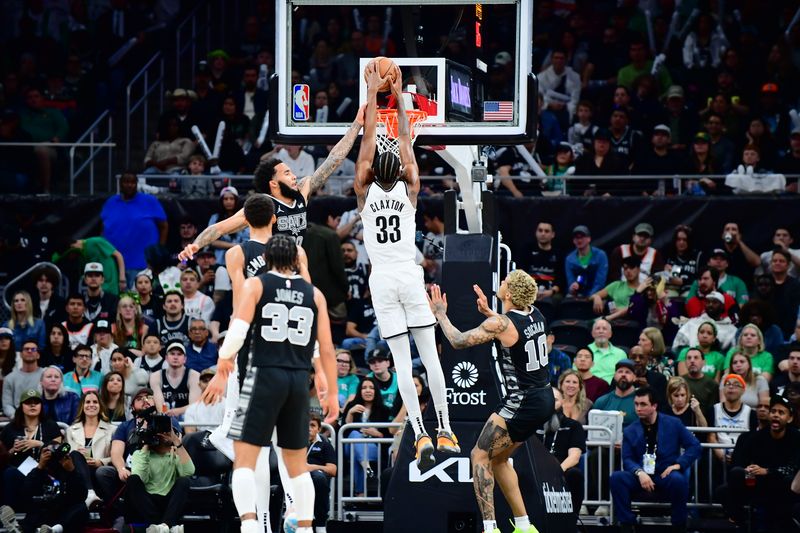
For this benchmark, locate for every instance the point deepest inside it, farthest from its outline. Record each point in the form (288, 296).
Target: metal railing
(99, 142)
(201, 29)
(137, 106)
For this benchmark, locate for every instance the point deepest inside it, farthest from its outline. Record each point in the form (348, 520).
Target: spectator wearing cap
(207, 265)
(99, 250)
(650, 259)
(599, 161)
(24, 378)
(657, 452)
(83, 378)
(124, 442)
(681, 120)
(659, 159)
(47, 303)
(59, 403)
(103, 346)
(731, 412)
(181, 101)
(763, 465)
(773, 114)
(586, 267)
(23, 438)
(722, 148)
(99, 304)
(379, 361)
(133, 221)
(782, 238)
(604, 354)
(150, 302)
(786, 293)
(562, 165)
(640, 65)
(176, 386)
(714, 309)
(23, 321)
(229, 204)
(626, 141)
(617, 294)
(561, 87)
(200, 353)
(710, 278)
(199, 416)
(198, 184)
(701, 162)
(620, 398)
(790, 162)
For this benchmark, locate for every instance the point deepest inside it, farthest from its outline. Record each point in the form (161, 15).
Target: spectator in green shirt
(43, 125)
(751, 344)
(99, 250)
(708, 344)
(619, 292)
(606, 355)
(158, 486)
(640, 65)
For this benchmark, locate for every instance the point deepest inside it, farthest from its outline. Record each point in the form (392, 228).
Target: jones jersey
(285, 325)
(524, 365)
(390, 226)
(290, 220)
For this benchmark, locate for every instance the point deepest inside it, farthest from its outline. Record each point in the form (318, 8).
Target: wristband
(178, 445)
(637, 472)
(234, 339)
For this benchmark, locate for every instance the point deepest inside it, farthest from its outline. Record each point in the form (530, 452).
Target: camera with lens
(149, 424)
(59, 450)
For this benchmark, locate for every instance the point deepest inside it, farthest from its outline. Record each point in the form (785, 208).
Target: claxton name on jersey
(389, 203)
(533, 329)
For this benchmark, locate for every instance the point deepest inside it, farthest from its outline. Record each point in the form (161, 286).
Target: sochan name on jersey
(557, 501)
(465, 375)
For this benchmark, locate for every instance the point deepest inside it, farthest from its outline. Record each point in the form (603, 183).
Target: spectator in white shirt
(200, 414)
(196, 304)
(298, 160)
(560, 85)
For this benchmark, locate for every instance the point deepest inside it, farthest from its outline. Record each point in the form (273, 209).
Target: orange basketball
(385, 66)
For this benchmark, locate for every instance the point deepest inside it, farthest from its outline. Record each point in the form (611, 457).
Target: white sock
(425, 339)
(303, 491)
(262, 488)
(401, 352)
(306, 529)
(321, 529)
(489, 526)
(522, 522)
(250, 526)
(243, 483)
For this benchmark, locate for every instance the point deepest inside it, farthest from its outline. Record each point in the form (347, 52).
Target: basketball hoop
(386, 134)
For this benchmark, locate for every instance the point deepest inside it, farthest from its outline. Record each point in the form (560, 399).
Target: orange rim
(388, 117)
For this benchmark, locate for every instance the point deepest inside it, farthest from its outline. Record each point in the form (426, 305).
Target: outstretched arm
(232, 224)
(366, 153)
(487, 331)
(320, 176)
(407, 159)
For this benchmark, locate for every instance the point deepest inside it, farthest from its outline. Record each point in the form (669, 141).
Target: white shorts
(399, 300)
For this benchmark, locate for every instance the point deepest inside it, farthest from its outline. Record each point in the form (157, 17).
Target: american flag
(494, 110)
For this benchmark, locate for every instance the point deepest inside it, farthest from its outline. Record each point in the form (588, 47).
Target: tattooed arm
(320, 176)
(212, 233)
(490, 329)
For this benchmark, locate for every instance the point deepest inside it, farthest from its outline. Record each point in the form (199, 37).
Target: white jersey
(390, 225)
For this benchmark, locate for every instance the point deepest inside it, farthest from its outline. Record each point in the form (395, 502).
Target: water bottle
(262, 78)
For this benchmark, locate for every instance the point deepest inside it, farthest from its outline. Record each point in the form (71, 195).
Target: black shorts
(526, 411)
(273, 398)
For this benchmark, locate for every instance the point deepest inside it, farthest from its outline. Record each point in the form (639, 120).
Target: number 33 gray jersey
(285, 323)
(390, 226)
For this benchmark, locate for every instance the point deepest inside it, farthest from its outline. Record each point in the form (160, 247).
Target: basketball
(385, 66)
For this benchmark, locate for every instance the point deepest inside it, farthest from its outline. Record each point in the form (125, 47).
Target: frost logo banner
(465, 375)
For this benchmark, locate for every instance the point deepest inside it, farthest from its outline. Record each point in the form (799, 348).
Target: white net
(386, 133)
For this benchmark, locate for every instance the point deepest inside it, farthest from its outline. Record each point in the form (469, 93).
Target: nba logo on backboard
(301, 111)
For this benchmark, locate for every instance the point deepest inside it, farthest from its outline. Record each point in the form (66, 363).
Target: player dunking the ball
(287, 314)
(386, 191)
(529, 400)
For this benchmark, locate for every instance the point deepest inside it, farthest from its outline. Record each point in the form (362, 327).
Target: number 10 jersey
(390, 226)
(285, 323)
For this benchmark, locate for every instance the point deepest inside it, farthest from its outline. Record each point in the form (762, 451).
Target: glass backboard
(471, 63)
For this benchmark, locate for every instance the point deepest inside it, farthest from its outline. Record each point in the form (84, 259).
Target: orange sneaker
(447, 442)
(425, 458)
